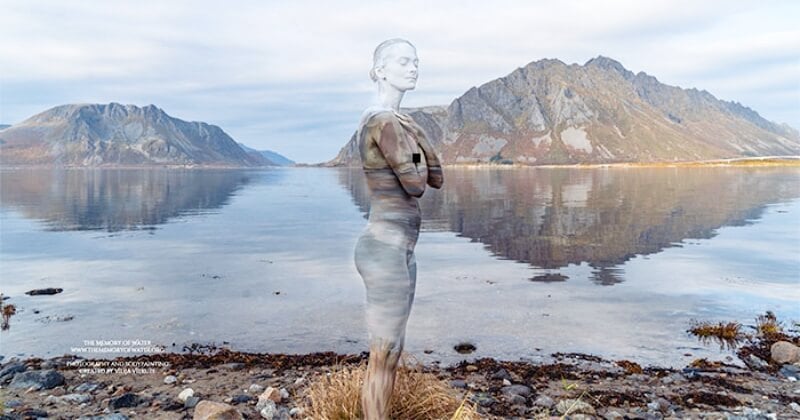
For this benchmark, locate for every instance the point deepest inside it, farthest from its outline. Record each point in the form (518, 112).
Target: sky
(292, 76)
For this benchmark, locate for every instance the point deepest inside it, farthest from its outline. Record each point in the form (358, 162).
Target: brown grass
(727, 334)
(417, 395)
(767, 325)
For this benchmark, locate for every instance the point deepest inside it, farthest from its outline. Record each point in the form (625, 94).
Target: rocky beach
(205, 382)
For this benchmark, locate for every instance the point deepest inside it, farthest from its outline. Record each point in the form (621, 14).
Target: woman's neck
(389, 97)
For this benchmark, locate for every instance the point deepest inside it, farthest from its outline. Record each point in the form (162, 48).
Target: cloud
(305, 62)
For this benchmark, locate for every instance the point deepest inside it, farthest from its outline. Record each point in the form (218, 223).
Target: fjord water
(522, 263)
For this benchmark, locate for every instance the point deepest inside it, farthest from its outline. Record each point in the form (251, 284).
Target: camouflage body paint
(384, 253)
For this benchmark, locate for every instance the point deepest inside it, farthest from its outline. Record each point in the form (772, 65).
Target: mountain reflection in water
(116, 199)
(553, 217)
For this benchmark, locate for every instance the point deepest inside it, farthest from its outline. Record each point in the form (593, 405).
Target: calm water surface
(522, 263)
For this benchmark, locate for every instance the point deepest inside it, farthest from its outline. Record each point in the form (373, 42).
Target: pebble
(125, 400)
(501, 374)
(571, 406)
(472, 368)
(520, 390)
(113, 416)
(68, 399)
(241, 398)
(255, 389)
(295, 412)
(613, 415)
(191, 402)
(795, 406)
(483, 399)
(232, 366)
(170, 379)
(87, 387)
(458, 383)
(790, 371)
(544, 401)
(267, 410)
(186, 393)
(271, 394)
(215, 410)
(284, 394)
(506, 382)
(516, 399)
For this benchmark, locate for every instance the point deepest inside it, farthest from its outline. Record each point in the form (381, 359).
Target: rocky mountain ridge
(116, 134)
(548, 112)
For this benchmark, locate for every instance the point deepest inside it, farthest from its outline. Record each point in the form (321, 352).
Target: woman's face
(400, 66)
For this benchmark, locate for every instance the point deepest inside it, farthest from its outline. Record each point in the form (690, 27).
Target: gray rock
(87, 387)
(13, 403)
(520, 390)
(124, 400)
(191, 402)
(516, 399)
(613, 415)
(458, 383)
(170, 379)
(112, 416)
(255, 389)
(283, 414)
(500, 374)
(794, 406)
(757, 362)
(483, 399)
(790, 371)
(570, 406)
(268, 409)
(232, 366)
(11, 369)
(37, 379)
(186, 393)
(294, 412)
(784, 352)
(68, 399)
(241, 399)
(544, 401)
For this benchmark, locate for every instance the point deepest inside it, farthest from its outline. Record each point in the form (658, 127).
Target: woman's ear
(380, 73)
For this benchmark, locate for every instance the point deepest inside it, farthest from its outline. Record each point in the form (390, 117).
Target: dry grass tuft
(417, 395)
(767, 325)
(728, 334)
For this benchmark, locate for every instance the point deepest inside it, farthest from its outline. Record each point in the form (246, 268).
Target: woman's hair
(379, 56)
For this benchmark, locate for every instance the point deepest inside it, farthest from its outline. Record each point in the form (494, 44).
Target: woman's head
(395, 62)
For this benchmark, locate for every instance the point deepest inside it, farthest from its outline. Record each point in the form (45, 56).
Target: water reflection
(551, 218)
(115, 199)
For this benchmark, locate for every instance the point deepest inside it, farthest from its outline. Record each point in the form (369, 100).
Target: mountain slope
(549, 112)
(275, 158)
(114, 134)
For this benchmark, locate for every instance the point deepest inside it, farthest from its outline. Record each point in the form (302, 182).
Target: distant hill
(4, 126)
(115, 134)
(274, 157)
(549, 112)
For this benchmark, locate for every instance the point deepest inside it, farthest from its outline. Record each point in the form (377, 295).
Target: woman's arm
(435, 174)
(398, 154)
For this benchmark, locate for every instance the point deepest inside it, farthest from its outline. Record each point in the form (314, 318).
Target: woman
(398, 163)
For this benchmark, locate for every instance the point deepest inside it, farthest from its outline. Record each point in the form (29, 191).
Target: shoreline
(783, 161)
(598, 388)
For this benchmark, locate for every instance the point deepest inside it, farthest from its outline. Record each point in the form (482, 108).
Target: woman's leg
(389, 284)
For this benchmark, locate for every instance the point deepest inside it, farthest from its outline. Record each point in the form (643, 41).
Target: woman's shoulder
(378, 116)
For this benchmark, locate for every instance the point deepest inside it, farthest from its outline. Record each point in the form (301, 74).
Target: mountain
(274, 157)
(549, 112)
(4, 126)
(115, 134)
